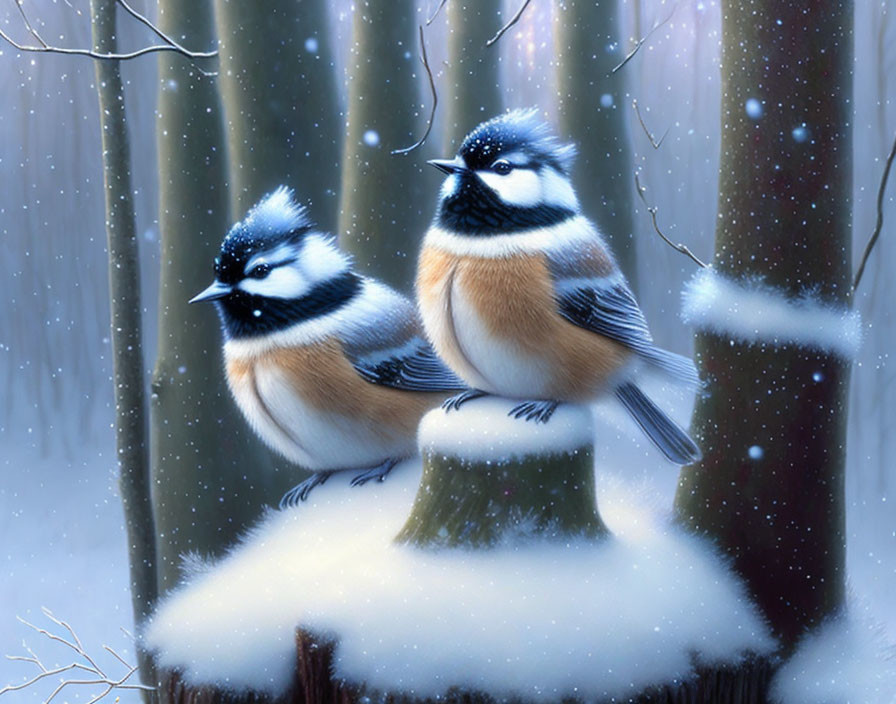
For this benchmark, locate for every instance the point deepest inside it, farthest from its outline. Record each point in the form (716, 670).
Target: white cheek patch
(520, 187)
(321, 259)
(283, 282)
(557, 190)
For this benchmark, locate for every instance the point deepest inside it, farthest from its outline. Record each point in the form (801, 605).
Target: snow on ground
(62, 546)
(847, 660)
(754, 313)
(537, 619)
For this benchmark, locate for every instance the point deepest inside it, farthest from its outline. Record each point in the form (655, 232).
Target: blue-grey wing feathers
(416, 370)
(671, 440)
(608, 308)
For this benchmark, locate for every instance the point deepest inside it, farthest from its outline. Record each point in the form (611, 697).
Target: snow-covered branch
(85, 663)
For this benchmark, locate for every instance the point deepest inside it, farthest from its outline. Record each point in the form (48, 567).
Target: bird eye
(259, 272)
(502, 167)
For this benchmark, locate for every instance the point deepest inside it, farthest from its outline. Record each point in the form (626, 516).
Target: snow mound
(484, 430)
(846, 660)
(751, 313)
(537, 620)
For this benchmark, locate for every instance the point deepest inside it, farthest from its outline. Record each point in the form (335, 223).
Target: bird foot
(300, 492)
(379, 473)
(537, 411)
(454, 403)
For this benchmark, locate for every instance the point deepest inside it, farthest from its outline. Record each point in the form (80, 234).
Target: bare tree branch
(640, 42)
(89, 666)
(878, 226)
(435, 99)
(28, 24)
(652, 210)
(513, 21)
(655, 144)
(436, 13)
(169, 45)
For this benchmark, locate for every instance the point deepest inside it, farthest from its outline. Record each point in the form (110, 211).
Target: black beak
(212, 293)
(449, 166)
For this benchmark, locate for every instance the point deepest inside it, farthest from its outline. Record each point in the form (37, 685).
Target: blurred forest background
(58, 494)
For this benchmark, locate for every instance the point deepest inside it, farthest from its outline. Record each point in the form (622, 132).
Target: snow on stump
(481, 573)
(489, 478)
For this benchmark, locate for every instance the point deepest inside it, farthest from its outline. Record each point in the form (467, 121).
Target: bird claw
(453, 403)
(300, 492)
(379, 473)
(537, 411)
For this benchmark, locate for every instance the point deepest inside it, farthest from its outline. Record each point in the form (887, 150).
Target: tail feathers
(676, 366)
(671, 440)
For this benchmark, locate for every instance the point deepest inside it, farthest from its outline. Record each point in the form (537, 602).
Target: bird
(329, 367)
(520, 294)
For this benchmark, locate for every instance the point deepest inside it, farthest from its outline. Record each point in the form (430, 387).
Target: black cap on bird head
(510, 174)
(275, 270)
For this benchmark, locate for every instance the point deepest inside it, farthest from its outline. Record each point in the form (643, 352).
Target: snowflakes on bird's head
(521, 130)
(276, 220)
(277, 213)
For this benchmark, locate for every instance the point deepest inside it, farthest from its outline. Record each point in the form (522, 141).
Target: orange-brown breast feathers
(324, 379)
(514, 300)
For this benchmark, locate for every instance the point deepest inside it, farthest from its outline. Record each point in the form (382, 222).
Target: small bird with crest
(520, 294)
(330, 367)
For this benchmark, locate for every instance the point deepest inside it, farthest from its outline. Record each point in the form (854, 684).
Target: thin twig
(170, 44)
(652, 210)
(92, 668)
(436, 13)
(142, 19)
(653, 142)
(513, 21)
(640, 43)
(28, 23)
(878, 226)
(435, 99)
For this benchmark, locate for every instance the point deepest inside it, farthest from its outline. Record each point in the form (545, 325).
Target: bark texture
(279, 92)
(593, 109)
(473, 93)
(464, 504)
(126, 325)
(385, 205)
(784, 215)
(211, 476)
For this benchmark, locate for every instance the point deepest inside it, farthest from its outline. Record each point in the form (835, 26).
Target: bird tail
(675, 366)
(671, 440)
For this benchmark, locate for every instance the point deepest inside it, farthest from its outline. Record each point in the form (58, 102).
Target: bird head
(275, 270)
(511, 174)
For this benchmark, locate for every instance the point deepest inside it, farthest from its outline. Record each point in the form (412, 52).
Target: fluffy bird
(329, 367)
(520, 294)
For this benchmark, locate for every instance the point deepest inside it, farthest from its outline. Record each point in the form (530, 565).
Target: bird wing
(593, 294)
(385, 345)
(412, 366)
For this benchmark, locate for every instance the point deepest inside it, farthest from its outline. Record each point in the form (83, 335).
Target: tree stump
(538, 482)
(489, 481)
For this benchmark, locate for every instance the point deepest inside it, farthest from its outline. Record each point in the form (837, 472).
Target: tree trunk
(593, 105)
(210, 473)
(126, 325)
(473, 93)
(384, 205)
(784, 215)
(280, 102)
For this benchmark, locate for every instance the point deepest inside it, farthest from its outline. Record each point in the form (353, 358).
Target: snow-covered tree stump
(489, 478)
(486, 575)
